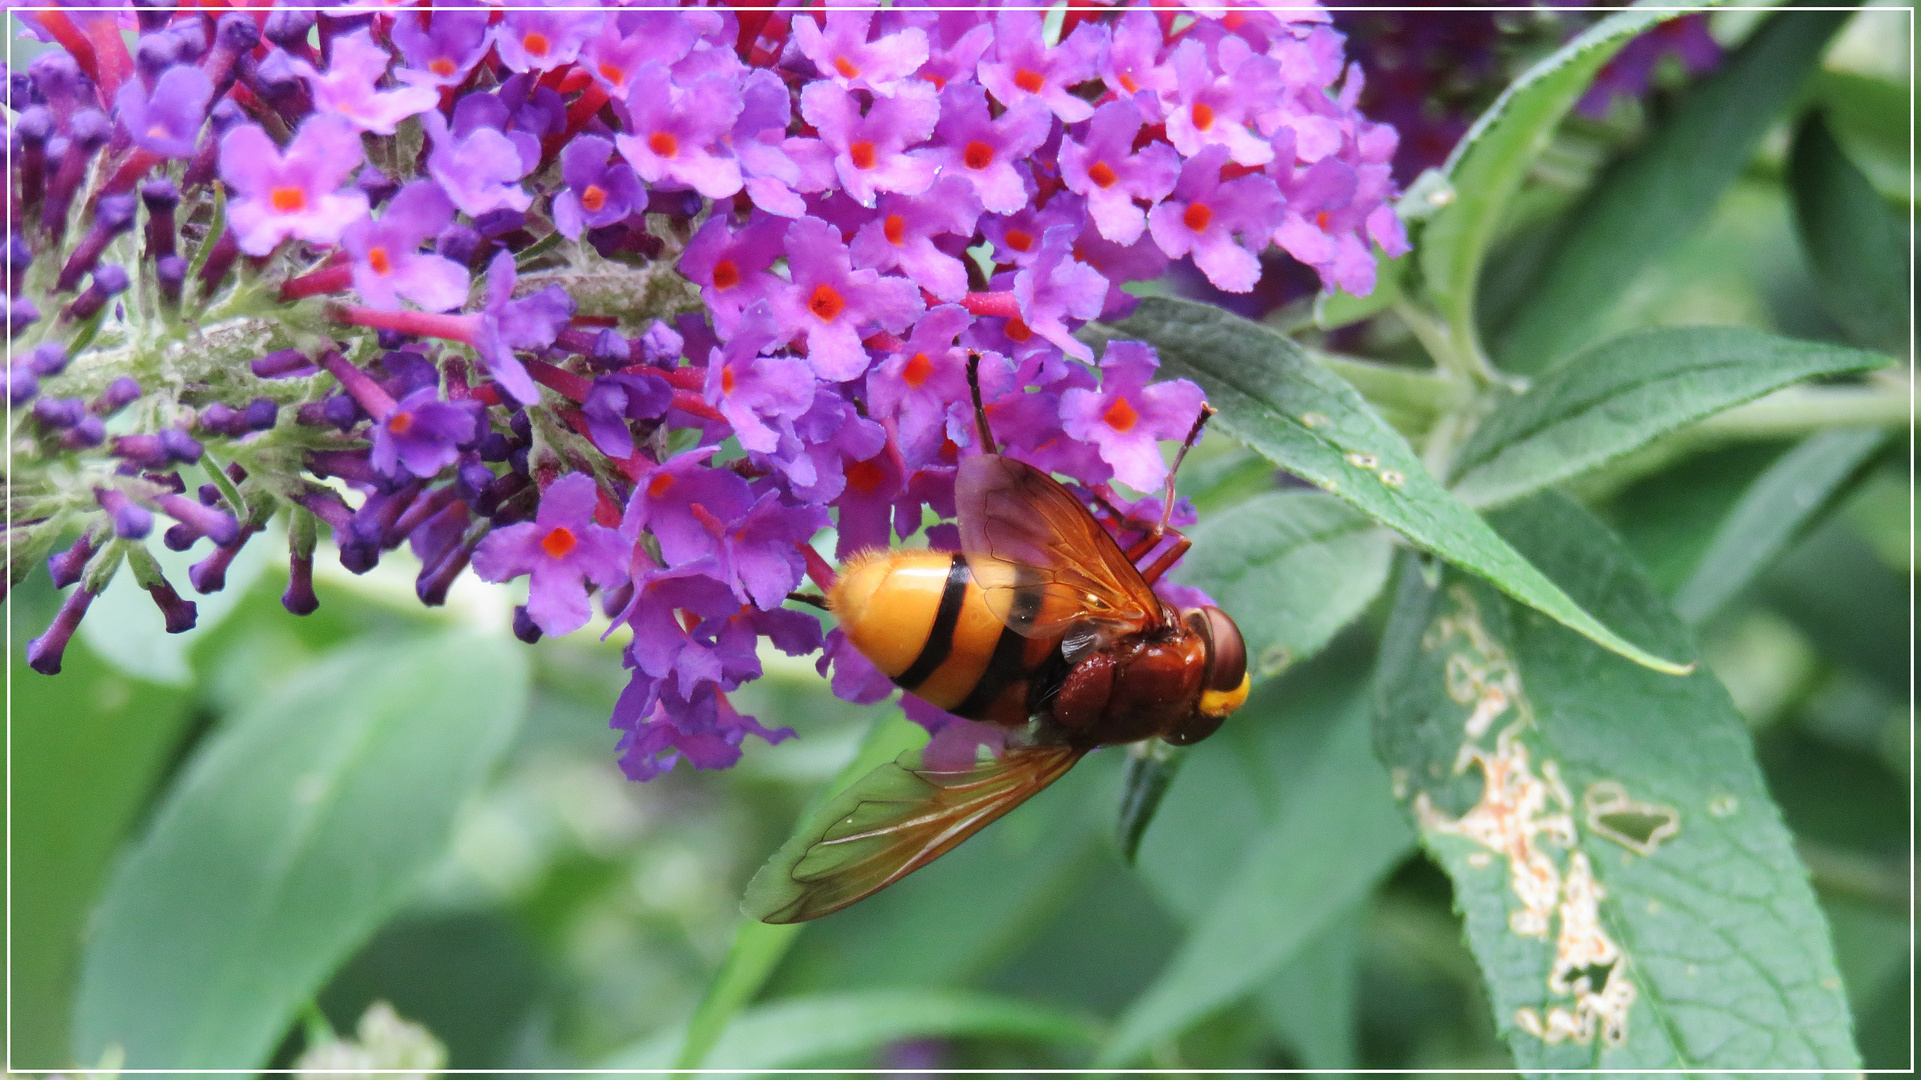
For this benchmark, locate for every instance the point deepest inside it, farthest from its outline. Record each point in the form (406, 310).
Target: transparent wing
(1043, 563)
(890, 823)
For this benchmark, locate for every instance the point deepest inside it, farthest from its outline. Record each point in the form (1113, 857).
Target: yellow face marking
(1221, 702)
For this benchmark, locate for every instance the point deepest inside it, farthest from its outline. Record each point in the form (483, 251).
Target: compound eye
(1227, 665)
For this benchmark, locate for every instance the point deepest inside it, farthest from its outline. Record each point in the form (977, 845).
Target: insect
(1040, 622)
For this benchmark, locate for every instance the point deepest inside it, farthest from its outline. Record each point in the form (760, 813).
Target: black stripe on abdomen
(1003, 669)
(940, 638)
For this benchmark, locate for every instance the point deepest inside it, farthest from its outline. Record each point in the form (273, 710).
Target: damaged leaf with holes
(1629, 890)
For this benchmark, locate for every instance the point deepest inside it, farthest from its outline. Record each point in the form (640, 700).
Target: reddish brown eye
(1227, 663)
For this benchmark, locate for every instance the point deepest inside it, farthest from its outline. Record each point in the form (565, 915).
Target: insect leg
(1168, 558)
(1193, 436)
(980, 410)
(814, 599)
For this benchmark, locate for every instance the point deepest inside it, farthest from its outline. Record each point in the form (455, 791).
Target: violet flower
(561, 550)
(350, 86)
(297, 194)
(168, 121)
(388, 264)
(1127, 418)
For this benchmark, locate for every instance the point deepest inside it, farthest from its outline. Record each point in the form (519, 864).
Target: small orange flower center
(400, 423)
(825, 303)
(846, 68)
(536, 44)
(1018, 330)
(1128, 84)
(1196, 216)
(663, 144)
(558, 541)
(1320, 219)
(1102, 173)
(917, 370)
(1029, 81)
(613, 74)
(864, 476)
(1203, 115)
(726, 380)
(288, 200)
(978, 155)
(1120, 416)
(593, 198)
(658, 485)
(377, 258)
(726, 274)
(862, 154)
(894, 228)
(1020, 240)
(441, 66)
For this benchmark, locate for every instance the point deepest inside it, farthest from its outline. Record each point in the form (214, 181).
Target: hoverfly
(1042, 622)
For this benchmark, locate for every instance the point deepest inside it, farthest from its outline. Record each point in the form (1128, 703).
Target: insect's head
(1225, 687)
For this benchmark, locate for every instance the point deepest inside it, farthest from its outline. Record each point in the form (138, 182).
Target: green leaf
(1489, 163)
(802, 1031)
(759, 947)
(1295, 567)
(1770, 514)
(87, 747)
(1309, 421)
(1855, 245)
(1652, 199)
(1311, 1002)
(1629, 889)
(292, 835)
(1619, 395)
(1333, 840)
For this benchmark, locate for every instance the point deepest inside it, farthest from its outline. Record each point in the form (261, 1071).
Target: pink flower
(297, 194)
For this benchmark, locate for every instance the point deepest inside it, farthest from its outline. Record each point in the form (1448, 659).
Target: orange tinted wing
(890, 823)
(1041, 560)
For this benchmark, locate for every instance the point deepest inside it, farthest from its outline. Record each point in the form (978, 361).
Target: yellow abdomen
(921, 619)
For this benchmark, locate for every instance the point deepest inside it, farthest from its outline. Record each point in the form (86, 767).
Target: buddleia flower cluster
(632, 303)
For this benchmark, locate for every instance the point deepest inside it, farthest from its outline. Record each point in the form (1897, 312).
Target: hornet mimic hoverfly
(1040, 622)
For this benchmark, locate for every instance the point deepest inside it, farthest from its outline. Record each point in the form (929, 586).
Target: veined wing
(891, 822)
(1043, 563)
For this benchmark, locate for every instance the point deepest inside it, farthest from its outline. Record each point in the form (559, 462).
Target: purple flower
(168, 122)
(830, 302)
(350, 87)
(676, 132)
(706, 730)
(901, 236)
(1126, 417)
(1204, 214)
(598, 192)
(664, 497)
(759, 553)
(479, 167)
(297, 194)
(1133, 61)
(1630, 71)
(870, 151)
(506, 324)
(843, 54)
(1024, 67)
(388, 263)
(1057, 286)
(915, 386)
(1216, 102)
(731, 265)
(562, 549)
(750, 389)
(984, 149)
(1114, 179)
(442, 52)
(855, 677)
(616, 399)
(634, 39)
(539, 40)
(422, 433)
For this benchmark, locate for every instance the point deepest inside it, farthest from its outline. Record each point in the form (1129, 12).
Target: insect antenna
(980, 410)
(813, 599)
(1193, 436)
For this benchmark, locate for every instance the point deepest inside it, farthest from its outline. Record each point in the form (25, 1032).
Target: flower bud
(118, 395)
(45, 651)
(108, 282)
(131, 521)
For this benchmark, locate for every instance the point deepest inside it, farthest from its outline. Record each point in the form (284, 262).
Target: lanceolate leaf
(1655, 197)
(1292, 567)
(1629, 890)
(1490, 161)
(1621, 394)
(802, 1031)
(1311, 422)
(1771, 512)
(1855, 245)
(1332, 841)
(295, 832)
